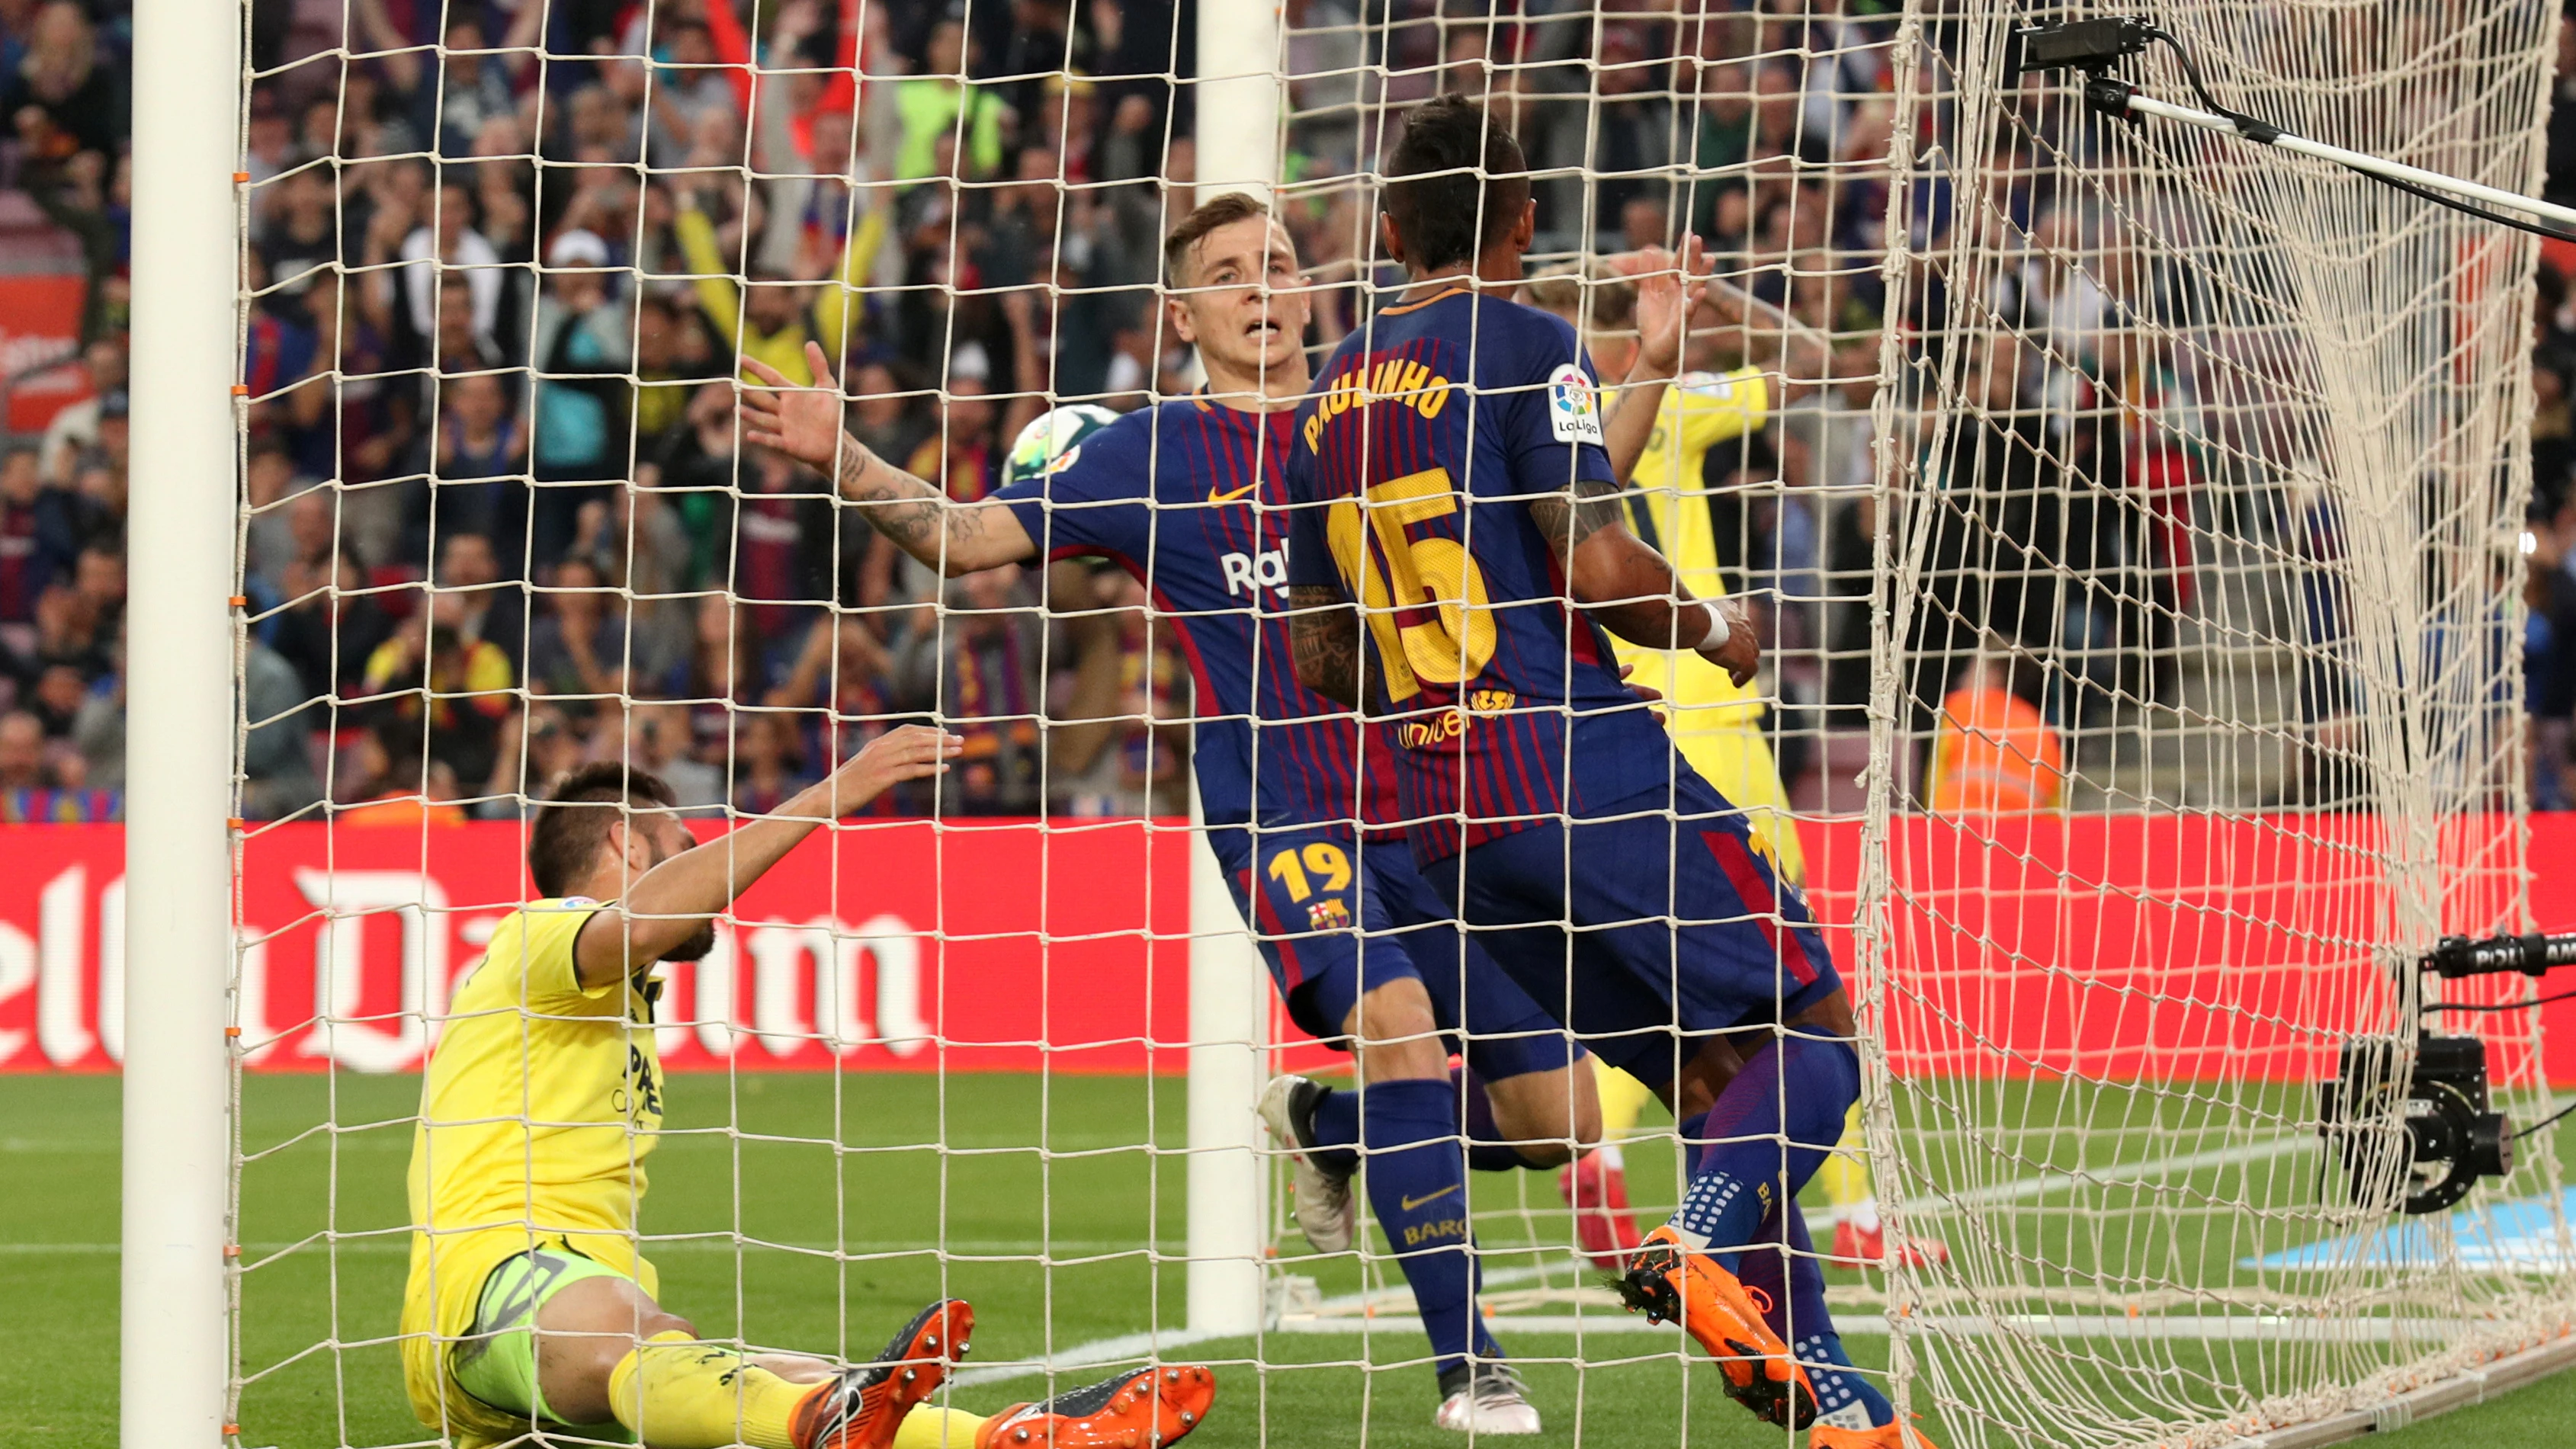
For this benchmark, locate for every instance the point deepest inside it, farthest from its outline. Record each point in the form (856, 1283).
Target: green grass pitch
(856, 1234)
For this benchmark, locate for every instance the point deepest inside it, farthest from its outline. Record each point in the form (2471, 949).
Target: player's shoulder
(525, 943)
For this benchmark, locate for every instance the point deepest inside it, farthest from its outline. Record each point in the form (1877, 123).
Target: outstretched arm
(668, 903)
(805, 424)
(1806, 356)
(1630, 588)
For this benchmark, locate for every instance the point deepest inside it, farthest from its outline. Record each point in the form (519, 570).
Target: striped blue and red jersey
(1188, 497)
(1410, 479)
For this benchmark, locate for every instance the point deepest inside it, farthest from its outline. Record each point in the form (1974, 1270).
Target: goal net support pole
(175, 1368)
(1237, 131)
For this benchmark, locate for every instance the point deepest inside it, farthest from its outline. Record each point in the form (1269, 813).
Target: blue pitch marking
(2520, 1235)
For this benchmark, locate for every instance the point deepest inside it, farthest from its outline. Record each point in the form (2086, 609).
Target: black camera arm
(2532, 955)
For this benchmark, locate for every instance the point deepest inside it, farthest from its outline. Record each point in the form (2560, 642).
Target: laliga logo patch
(1574, 408)
(1063, 460)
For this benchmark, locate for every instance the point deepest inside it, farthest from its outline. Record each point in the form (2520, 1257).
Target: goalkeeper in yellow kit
(529, 1306)
(1716, 722)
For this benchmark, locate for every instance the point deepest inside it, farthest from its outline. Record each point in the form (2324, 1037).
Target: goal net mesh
(2203, 470)
(2134, 557)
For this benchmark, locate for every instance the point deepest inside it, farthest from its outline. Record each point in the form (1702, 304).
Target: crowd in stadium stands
(436, 454)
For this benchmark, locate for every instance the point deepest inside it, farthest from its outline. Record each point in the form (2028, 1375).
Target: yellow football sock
(678, 1393)
(1845, 1174)
(932, 1427)
(1623, 1099)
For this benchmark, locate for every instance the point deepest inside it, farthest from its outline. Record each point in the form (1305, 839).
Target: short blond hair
(1592, 294)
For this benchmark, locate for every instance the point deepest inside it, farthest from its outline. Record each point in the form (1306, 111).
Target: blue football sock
(1337, 1132)
(1790, 1286)
(1486, 1149)
(1772, 1128)
(1417, 1187)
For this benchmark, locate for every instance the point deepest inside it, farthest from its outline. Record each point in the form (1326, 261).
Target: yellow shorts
(439, 1305)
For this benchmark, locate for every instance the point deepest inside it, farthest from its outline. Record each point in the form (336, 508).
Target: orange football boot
(1890, 1435)
(860, 1409)
(1140, 1409)
(1670, 1283)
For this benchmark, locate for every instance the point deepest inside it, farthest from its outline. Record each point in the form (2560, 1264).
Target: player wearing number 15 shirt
(1456, 563)
(1186, 496)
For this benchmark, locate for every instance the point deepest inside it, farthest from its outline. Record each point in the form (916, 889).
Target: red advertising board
(40, 325)
(2168, 946)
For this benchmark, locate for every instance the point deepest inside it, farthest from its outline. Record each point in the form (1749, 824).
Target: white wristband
(1719, 631)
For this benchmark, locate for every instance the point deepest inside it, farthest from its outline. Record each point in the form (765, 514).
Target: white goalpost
(2129, 510)
(176, 1294)
(1238, 91)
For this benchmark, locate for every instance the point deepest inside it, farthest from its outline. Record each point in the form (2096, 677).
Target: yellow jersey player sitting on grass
(529, 1305)
(1716, 722)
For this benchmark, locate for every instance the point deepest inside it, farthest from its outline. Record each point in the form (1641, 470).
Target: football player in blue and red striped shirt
(1187, 495)
(1457, 554)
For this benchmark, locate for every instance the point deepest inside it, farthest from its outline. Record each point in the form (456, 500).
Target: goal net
(2128, 514)
(2199, 700)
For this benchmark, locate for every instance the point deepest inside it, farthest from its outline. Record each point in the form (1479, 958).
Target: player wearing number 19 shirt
(1186, 495)
(1456, 554)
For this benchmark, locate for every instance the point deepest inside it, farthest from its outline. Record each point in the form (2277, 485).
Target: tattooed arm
(1613, 576)
(955, 538)
(805, 424)
(1324, 636)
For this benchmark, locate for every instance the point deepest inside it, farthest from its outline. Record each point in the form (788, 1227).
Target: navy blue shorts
(1336, 919)
(1681, 926)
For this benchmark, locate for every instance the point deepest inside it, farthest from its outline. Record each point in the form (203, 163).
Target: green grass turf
(844, 1244)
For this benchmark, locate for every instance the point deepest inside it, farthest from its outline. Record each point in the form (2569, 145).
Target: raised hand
(803, 423)
(909, 753)
(1669, 289)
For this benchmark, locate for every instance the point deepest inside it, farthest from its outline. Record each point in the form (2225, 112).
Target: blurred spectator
(62, 99)
(330, 628)
(775, 315)
(74, 430)
(578, 647)
(23, 765)
(398, 789)
(429, 673)
(767, 763)
(977, 665)
(290, 521)
(40, 532)
(842, 685)
(581, 399)
(939, 101)
(659, 740)
(485, 609)
(441, 247)
(475, 462)
(277, 762)
(1993, 751)
(100, 578)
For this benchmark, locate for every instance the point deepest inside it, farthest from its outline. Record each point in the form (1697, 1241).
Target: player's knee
(1548, 1117)
(1394, 1034)
(659, 1322)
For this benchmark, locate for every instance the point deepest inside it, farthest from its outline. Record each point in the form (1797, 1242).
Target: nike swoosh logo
(1414, 1202)
(1231, 494)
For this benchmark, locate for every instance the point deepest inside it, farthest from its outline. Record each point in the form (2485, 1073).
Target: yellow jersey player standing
(1716, 722)
(529, 1305)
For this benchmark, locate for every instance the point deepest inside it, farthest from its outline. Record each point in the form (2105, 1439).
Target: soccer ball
(1052, 440)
